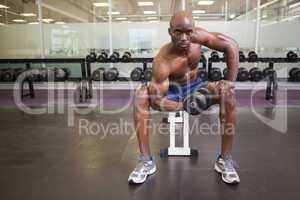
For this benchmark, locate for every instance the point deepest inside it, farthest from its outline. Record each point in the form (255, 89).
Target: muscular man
(175, 75)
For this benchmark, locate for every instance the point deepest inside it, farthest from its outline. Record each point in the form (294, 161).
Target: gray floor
(42, 158)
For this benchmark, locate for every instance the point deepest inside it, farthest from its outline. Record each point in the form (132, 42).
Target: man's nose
(184, 36)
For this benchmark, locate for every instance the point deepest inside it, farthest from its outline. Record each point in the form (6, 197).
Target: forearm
(164, 104)
(232, 61)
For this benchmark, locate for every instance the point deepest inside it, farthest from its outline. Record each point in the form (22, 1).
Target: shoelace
(142, 163)
(231, 164)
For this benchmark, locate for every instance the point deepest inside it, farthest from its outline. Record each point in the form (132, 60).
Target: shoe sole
(219, 170)
(142, 181)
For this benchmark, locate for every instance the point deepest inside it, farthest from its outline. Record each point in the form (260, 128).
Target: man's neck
(179, 52)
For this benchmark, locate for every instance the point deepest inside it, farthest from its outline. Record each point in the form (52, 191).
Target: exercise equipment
(98, 74)
(111, 74)
(252, 56)
(291, 56)
(294, 74)
(92, 57)
(175, 119)
(147, 74)
(114, 57)
(102, 57)
(8, 75)
(59, 74)
(82, 93)
(214, 56)
(255, 74)
(225, 71)
(197, 102)
(136, 74)
(243, 74)
(126, 56)
(242, 56)
(46, 74)
(202, 73)
(215, 74)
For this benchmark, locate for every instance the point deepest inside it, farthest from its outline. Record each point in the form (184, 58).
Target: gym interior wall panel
(20, 41)
(280, 35)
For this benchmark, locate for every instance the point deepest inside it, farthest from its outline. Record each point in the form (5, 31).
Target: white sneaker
(226, 168)
(143, 169)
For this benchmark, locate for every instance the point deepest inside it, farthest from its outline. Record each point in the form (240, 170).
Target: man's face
(181, 34)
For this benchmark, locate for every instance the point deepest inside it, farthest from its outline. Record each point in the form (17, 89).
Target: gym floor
(42, 158)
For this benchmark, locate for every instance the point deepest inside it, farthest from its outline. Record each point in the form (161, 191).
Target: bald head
(182, 19)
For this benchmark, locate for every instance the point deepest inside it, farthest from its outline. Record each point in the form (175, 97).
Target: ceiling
(83, 11)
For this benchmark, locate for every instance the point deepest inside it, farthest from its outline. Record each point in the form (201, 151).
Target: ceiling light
(121, 18)
(199, 11)
(294, 5)
(264, 16)
(149, 12)
(114, 13)
(153, 21)
(151, 18)
(3, 6)
(196, 17)
(31, 23)
(102, 4)
(232, 16)
(1, 24)
(28, 14)
(205, 3)
(18, 20)
(59, 23)
(47, 20)
(145, 3)
(126, 21)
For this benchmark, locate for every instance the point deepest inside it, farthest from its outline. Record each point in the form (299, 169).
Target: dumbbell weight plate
(215, 74)
(255, 74)
(243, 74)
(148, 74)
(202, 74)
(98, 74)
(126, 56)
(136, 74)
(111, 74)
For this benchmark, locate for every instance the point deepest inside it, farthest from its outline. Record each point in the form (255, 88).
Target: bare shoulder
(161, 66)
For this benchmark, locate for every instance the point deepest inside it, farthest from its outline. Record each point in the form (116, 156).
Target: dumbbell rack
(28, 62)
(272, 80)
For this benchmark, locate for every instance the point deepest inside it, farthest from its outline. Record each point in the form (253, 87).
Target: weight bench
(175, 118)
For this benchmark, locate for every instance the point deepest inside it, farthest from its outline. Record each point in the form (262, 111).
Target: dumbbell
(291, 56)
(136, 74)
(252, 56)
(102, 57)
(8, 75)
(202, 73)
(98, 74)
(59, 74)
(214, 56)
(92, 57)
(242, 55)
(67, 73)
(111, 74)
(148, 74)
(243, 74)
(215, 74)
(29, 74)
(44, 74)
(255, 74)
(294, 74)
(198, 101)
(126, 56)
(114, 57)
